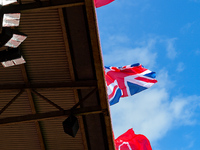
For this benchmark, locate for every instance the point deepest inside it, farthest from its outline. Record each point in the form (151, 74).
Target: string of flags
(123, 82)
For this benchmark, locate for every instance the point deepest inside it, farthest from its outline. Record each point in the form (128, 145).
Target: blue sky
(164, 36)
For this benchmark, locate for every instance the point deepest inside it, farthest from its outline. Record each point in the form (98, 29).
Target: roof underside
(63, 67)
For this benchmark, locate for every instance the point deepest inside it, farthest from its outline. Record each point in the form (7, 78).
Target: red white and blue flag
(127, 80)
(131, 141)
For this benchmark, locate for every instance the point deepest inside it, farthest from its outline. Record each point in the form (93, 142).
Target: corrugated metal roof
(44, 48)
(63, 98)
(11, 75)
(60, 50)
(19, 137)
(55, 138)
(20, 106)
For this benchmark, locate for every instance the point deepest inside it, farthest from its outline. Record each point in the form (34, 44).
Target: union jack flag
(127, 80)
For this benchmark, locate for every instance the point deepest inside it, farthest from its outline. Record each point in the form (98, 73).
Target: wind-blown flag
(127, 80)
(99, 3)
(131, 141)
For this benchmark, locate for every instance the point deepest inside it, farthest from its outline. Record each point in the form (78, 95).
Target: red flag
(131, 141)
(99, 3)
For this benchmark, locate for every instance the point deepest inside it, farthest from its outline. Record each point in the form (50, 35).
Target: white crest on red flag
(131, 141)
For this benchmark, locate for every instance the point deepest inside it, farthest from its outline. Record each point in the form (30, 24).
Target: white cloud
(145, 112)
(114, 41)
(119, 52)
(120, 56)
(171, 52)
(153, 112)
(180, 67)
(164, 80)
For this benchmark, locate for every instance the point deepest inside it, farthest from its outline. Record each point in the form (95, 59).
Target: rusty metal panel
(44, 49)
(19, 137)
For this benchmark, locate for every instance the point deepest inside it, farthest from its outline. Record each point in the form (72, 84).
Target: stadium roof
(63, 68)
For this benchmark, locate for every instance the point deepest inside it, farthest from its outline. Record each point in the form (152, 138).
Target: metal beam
(11, 101)
(67, 85)
(47, 100)
(38, 6)
(32, 105)
(71, 70)
(52, 114)
(98, 63)
(83, 99)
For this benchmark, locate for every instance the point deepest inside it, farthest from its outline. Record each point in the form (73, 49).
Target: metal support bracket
(11, 101)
